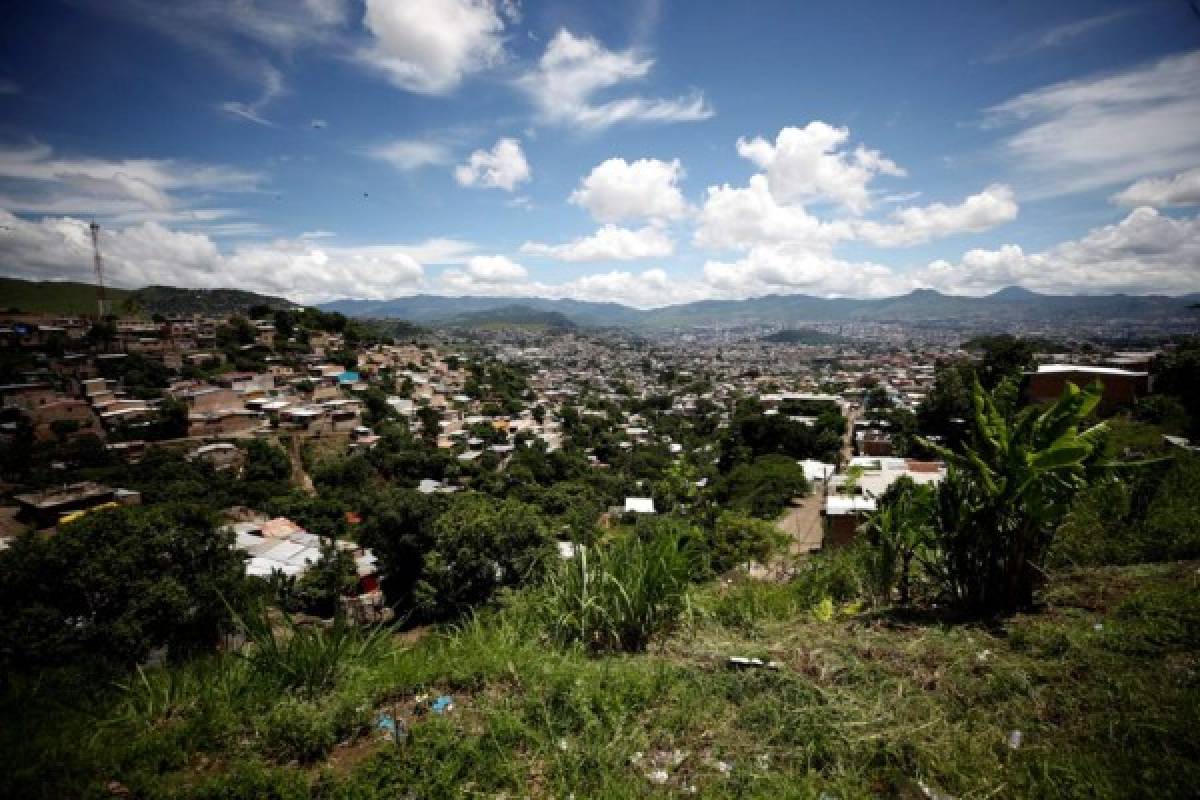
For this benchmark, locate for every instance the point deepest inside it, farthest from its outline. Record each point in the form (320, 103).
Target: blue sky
(644, 152)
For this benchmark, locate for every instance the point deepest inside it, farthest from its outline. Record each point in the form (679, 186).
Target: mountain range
(923, 306)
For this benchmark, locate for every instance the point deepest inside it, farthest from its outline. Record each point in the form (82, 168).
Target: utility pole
(101, 296)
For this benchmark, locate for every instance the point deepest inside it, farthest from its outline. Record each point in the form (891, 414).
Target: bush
(738, 539)
(297, 729)
(618, 595)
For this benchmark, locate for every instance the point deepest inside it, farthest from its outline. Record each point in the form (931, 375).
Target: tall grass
(617, 596)
(309, 659)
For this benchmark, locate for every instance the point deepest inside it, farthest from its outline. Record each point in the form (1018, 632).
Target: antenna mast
(101, 296)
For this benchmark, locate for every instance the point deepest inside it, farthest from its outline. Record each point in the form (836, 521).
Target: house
(44, 509)
(843, 514)
(1122, 387)
(639, 505)
(219, 455)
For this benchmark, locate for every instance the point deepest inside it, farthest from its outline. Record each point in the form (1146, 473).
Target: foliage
(1007, 493)
(477, 547)
(899, 532)
(739, 539)
(116, 584)
(1149, 515)
(616, 596)
(333, 576)
(307, 659)
(762, 488)
(1177, 374)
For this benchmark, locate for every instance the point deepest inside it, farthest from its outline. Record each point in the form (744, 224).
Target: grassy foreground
(1103, 686)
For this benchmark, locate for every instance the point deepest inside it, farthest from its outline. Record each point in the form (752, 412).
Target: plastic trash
(387, 724)
(741, 662)
(659, 776)
(443, 704)
(1014, 739)
(934, 794)
(1099, 626)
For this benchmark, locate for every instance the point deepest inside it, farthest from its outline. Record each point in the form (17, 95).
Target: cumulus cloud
(617, 190)
(810, 164)
(573, 69)
(495, 269)
(1182, 189)
(502, 167)
(1144, 253)
(742, 217)
(1107, 129)
(791, 268)
(994, 206)
(609, 243)
(410, 154)
(59, 248)
(431, 46)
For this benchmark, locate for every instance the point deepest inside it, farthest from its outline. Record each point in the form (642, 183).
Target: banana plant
(1010, 488)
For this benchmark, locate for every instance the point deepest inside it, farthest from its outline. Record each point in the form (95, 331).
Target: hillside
(1095, 696)
(67, 297)
(514, 316)
(54, 297)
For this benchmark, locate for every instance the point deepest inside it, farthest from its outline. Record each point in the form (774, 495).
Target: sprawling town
(505, 399)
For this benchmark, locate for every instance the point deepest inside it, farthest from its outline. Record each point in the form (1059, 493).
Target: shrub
(618, 595)
(738, 539)
(297, 729)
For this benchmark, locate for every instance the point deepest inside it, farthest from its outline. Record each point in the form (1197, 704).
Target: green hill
(69, 297)
(514, 316)
(54, 297)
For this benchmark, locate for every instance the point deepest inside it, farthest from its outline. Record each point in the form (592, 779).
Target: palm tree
(899, 531)
(1008, 491)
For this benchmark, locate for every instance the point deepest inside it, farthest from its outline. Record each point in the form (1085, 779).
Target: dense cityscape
(544, 399)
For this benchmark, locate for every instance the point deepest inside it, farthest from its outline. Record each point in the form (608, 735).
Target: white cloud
(617, 190)
(809, 164)
(573, 69)
(740, 218)
(1146, 252)
(431, 46)
(1056, 36)
(993, 206)
(502, 167)
(35, 180)
(1182, 189)
(410, 154)
(609, 243)
(495, 269)
(59, 248)
(272, 87)
(791, 268)
(1107, 129)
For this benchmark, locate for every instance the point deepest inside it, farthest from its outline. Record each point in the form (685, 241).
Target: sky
(647, 153)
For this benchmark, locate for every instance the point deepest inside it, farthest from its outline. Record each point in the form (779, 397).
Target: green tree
(898, 533)
(1007, 493)
(739, 539)
(116, 584)
(480, 546)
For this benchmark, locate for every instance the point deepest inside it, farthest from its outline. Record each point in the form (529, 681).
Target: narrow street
(802, 521)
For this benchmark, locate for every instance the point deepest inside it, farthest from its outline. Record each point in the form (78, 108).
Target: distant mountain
(68, 297)
(514, 316)
(429, 308)
(922, 306)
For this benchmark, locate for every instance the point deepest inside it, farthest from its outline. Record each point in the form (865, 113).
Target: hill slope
(68, 297)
